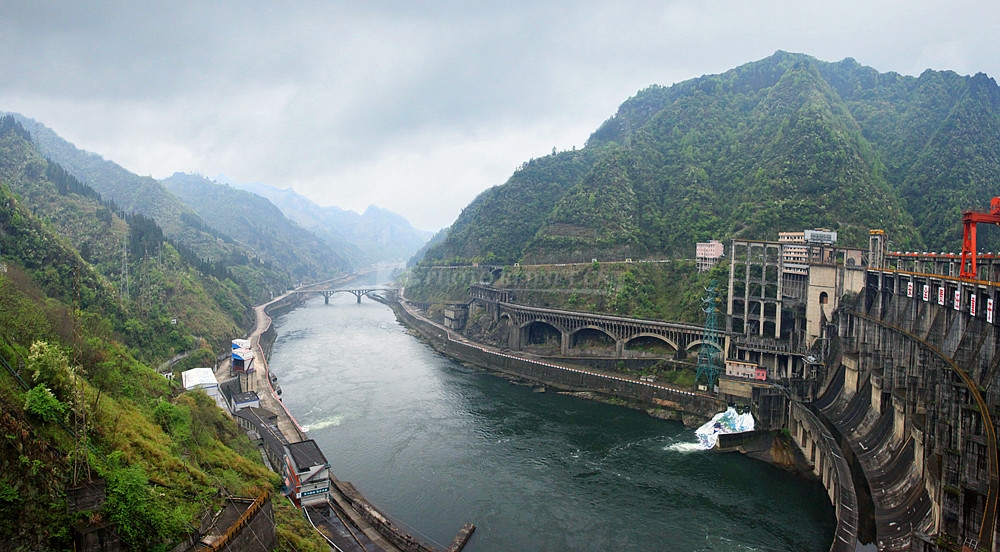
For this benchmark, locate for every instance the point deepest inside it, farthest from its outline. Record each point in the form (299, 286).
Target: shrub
(41, 403)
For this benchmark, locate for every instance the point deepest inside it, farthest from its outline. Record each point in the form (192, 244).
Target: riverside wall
(699, 406)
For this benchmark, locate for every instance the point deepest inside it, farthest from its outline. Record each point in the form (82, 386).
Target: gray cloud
(416, 107)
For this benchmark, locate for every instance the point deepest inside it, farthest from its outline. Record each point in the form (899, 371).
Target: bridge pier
(515, 337)
(326, 296)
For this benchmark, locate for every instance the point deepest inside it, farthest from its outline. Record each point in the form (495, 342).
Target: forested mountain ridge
(258, 225)
(165, 296)
(78, 399)
(377, 235)
(785, 143)
(254, 269)
(499, 222)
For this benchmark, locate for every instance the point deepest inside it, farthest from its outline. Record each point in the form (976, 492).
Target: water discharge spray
(724, 422)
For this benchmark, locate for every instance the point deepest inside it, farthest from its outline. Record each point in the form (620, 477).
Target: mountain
(255, 223)
(254, 270)
(89, 300)
(785, 143)
(377, 235)
(155, 294)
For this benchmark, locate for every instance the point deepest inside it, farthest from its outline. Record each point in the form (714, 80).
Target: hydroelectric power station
(881, 366)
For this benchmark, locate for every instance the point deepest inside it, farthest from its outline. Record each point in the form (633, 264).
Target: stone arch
(541, 334)
(636, 339)
(696, 344)
(535, 320)
(593, 336)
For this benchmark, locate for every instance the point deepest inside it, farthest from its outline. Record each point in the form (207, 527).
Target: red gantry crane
(969, 221)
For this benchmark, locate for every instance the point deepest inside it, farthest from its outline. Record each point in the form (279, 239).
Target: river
(434, 444)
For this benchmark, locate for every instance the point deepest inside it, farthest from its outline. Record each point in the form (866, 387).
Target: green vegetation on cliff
(77, 250)
(78, 399)
(785, 143)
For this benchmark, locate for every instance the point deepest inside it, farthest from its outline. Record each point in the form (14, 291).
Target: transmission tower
(81, 458)
(708, 355)
(125, 282)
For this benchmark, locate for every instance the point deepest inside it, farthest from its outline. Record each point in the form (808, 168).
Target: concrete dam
(914, 395)
(888, 362)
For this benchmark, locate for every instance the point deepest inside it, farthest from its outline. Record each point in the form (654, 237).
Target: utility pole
(125, 282)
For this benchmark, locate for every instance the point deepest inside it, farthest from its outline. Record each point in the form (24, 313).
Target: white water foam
(684, 448)
(326, 422)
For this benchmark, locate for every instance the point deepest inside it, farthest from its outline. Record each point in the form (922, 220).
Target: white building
(204, 379)
(708, 254)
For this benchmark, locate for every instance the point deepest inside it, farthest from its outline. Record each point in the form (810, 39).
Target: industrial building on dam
(883, 368)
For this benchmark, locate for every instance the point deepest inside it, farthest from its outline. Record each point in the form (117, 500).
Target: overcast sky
(415, 106)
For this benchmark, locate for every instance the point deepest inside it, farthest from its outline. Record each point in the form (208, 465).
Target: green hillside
(785, 143)
(78, 399)
(165, 297)
(255, 271)
(497, 224)
(256, 224)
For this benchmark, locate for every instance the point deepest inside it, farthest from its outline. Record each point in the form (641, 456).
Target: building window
(824, 298)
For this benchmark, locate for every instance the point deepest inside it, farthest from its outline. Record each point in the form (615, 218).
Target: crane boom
(969, 221)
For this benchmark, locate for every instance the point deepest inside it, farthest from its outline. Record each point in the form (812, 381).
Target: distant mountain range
(785, 143)
(263, 247)
(377, 235)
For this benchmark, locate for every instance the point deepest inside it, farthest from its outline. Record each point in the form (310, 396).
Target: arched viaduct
(572, 326)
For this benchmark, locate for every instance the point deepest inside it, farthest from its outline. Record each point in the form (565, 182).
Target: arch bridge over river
(358, 292)
(572, 325)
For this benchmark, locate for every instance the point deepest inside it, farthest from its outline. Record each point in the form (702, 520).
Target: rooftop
(246, 397)
(306, 454)
(199, 377)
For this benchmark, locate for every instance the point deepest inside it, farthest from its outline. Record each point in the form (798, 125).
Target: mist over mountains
(223, 223)
(377, 235)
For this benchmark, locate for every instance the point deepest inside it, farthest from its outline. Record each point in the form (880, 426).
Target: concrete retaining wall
(821, 449)
(562, 377)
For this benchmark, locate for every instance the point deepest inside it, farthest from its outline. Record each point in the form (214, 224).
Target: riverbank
(658, 400)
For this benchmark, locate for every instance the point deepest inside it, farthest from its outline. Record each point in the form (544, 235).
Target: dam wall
(821, 450)
(914, 397)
